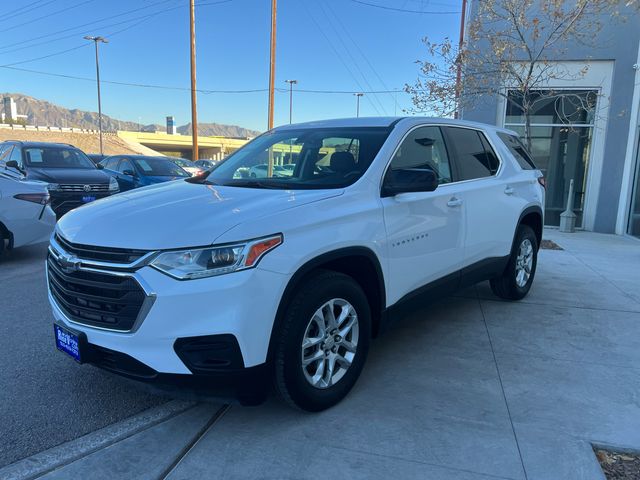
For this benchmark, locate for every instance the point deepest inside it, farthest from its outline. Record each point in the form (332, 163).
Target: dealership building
(599, 146)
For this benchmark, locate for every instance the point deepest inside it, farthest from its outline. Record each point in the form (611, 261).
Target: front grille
(102, 254)
(96, 299)
(83, 188)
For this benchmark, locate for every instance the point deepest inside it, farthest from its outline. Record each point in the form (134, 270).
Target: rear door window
(474, 156)
(518, 150)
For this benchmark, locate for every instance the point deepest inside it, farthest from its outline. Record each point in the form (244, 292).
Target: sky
(328, 45)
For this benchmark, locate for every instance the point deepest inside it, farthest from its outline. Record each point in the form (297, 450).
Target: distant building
(171, 125)
(600, 152)
(10, 110)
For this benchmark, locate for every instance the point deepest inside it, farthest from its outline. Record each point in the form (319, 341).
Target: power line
(335, 50)
(84, 2)
(384, 7)
(366, 59)
(354, 61)
(25, 9)
(112, 34)
(186, 89)
(64, 30)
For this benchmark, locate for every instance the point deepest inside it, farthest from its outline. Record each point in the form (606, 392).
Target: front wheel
(323, 342)
(515, 282)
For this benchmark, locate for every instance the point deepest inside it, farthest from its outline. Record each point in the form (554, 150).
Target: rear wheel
(515, 282)
(323, 342)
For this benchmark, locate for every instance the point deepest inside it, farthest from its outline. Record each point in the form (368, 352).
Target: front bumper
(242, 305)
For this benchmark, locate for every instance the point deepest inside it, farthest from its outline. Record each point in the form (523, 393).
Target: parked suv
(73, 178)
(227, 281)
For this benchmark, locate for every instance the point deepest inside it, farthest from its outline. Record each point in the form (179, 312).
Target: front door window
(561, 137)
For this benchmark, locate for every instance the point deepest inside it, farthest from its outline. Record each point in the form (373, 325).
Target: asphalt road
(45, 397)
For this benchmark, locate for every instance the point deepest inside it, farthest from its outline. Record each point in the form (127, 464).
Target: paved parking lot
(45, 399)
(470, 388)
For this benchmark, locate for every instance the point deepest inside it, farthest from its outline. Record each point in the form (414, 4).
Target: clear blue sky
(324, 44)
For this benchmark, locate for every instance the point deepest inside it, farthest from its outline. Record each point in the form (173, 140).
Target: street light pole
(358, 95)
(291, 84)
(95, 41)
(194, 112)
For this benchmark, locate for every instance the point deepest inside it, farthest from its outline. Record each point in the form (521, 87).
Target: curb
(56, 457)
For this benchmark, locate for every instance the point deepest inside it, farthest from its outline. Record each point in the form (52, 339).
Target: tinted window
(160, 167)
(472, 159)
(125, 164)
(518, 150)
(424, 148)
(111, 163)
(56, 157)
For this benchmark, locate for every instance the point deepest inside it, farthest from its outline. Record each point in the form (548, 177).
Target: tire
(513, 284)
(307, 310)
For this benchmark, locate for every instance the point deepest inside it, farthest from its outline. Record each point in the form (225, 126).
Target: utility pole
(358, 95)
(459, 65)
(291, 84)
(272, 78)
(95, 41)
(194, 111)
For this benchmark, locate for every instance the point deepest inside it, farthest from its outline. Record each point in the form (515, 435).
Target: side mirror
(99, 166)
(129, 173)
(407, 180)
(14, 164)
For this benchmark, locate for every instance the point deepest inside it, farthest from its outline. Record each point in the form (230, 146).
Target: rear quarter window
(518, 150)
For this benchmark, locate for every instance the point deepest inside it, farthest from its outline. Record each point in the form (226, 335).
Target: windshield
(56, 157)
(302, 159)
(159, 167)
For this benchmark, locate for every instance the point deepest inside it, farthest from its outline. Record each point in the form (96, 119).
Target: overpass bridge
(215, 148)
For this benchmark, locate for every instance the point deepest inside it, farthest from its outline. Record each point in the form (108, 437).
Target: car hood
(177, 214)
(68, 175)
(160, 178)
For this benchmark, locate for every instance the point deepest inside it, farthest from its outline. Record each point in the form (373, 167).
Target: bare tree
(511, 45)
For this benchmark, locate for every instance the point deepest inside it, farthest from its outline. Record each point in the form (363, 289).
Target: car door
(425, 230)
(491, 212)
(126, 174)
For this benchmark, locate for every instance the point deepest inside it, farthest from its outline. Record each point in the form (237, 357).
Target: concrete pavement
(469, 388)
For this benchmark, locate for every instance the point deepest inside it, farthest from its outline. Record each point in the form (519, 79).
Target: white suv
(230, 282)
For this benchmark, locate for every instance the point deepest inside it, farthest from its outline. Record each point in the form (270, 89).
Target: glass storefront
(561, 137)
(634, 215)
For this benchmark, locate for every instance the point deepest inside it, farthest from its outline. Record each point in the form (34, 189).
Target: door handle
(454, 202)
(509, 190)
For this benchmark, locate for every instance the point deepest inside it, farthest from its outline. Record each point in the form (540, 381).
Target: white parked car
(236, 282)
(26, 217)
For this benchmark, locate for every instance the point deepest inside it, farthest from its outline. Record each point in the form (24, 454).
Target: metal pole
(95, 41)
(358, 95)
(194, 112)
(291, 84)
(459, 66)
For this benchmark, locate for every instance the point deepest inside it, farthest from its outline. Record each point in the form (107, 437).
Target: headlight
(208, 262)
(53, 187)
(113, 185)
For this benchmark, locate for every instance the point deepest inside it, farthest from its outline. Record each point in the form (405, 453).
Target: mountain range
(42, 112)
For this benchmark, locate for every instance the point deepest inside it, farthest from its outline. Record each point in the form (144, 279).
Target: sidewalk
(471, 388)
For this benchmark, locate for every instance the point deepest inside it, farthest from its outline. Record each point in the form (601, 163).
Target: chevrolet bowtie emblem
(68, 264)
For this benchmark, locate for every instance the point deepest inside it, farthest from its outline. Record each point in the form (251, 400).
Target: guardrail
(41, 128)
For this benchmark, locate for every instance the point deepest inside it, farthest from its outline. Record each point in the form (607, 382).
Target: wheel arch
(6, 233)
(532, 216)
(360, 263)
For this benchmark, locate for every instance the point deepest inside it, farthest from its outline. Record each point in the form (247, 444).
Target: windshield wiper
(199, 180)
(256, 184)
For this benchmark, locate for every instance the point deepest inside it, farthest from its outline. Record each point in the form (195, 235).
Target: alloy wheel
(524, 263)
(329, 343)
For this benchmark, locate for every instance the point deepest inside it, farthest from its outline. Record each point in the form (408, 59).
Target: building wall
(619, 42)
